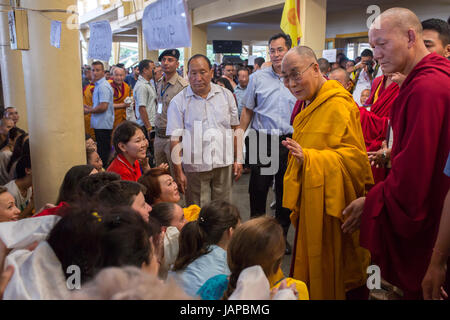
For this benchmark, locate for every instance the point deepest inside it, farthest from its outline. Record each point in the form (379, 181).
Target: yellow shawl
(335, 171)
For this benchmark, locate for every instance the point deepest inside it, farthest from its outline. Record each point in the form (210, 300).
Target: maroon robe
(401, 215)
(374, 123)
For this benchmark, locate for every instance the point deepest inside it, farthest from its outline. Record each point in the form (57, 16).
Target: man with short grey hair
(205, 116)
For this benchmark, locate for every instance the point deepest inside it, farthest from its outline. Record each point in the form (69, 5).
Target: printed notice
(55, 34)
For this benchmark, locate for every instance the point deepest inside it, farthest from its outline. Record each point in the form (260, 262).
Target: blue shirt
(200, 270)
(130, 80)
(214, 288)
(271, 102)
(447, 167)
(103, 92)
(239, 92)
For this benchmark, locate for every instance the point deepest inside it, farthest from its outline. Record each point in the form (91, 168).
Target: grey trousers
(204, 187)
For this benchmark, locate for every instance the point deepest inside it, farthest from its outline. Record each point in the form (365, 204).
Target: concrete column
(55, 109)
(12, 72)
(116, 52)
(140, 37)
(313, 19)
(199, 41)
(151, 54)
(143, 51)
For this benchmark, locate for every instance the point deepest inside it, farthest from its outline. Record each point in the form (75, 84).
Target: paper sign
(166, 24)
(100, 42)
(330, 55)
(55, 34)
(251, 60)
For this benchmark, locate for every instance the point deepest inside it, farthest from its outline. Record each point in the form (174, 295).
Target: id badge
(160, 107)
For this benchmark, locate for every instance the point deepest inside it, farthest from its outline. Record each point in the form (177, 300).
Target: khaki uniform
(165, 93)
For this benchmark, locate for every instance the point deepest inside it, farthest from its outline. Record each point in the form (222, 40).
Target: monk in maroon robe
(374, 123)
(400, 216)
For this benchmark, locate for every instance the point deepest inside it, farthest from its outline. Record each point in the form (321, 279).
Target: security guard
(167, 88)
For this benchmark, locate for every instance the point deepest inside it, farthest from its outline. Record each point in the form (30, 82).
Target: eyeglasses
(296, 76)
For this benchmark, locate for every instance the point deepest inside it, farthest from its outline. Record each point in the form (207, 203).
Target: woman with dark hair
(161, 187)
(6, 153)
(223, 82)
(93, 158)
(84, 241)
(130, 145)
(203, 245)
(257, 242)
(8, 209)
(68, 191)
(21, 147)
(171, 218)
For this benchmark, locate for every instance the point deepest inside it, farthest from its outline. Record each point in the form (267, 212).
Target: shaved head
(341, 73)
(401, 19)
(342, 76)
(396, 37)
(301, 73)
(304, 52)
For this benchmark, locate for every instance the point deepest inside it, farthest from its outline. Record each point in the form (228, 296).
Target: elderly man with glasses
(327, 169)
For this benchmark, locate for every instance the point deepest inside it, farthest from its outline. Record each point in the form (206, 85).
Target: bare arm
(144, 117)
(246, 117)
(432, 283)
(238, 139)
(100, 108)
(121, 105)
(176, 153)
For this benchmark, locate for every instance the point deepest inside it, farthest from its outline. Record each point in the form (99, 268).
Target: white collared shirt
(205, 125)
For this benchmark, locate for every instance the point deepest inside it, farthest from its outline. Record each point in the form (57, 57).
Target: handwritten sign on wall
(100, 42)
(167, 24)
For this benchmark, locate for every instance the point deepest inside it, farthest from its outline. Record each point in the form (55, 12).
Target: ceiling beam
(218, 11)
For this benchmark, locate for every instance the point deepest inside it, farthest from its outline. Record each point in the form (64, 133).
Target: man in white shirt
(364, 73)
(205, 116)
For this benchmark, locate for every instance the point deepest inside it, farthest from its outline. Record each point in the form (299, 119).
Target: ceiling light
(229, 27)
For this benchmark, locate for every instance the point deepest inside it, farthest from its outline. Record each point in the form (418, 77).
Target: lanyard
(164, 91)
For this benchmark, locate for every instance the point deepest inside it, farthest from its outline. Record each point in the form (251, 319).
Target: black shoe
(288, 250)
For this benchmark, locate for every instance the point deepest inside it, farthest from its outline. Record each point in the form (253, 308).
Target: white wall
(355, 20)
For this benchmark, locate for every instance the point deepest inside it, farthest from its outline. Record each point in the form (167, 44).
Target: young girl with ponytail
(203, 246)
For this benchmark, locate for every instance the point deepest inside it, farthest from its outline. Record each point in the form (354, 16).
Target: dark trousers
(260, 183)
(103, 137)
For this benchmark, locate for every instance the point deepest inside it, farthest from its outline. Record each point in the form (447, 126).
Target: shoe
(288, 250)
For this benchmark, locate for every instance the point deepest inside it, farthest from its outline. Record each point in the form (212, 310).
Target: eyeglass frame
(298, 75)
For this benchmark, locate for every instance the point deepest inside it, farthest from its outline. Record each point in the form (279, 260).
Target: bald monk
(121, 92)
(400, 216)
(343, 77)
(327, 169)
